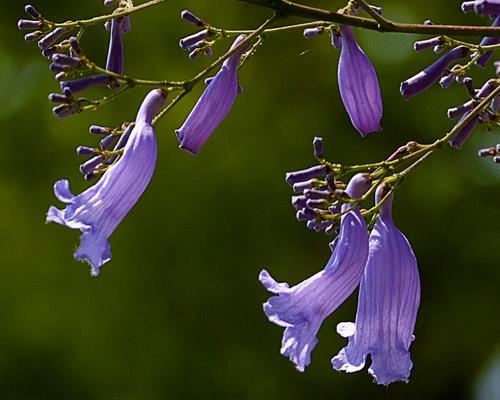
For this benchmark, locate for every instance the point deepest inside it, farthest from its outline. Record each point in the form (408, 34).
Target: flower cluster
(440, 71)
(382, 263)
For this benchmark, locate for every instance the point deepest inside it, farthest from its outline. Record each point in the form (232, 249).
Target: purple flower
(358, 85)
(302, 308)
(463, 134)
(426, 78)
(388, 302)
(114, 61)
(214, 104)
(98, 210)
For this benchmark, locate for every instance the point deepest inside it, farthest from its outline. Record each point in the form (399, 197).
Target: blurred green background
(177, 313)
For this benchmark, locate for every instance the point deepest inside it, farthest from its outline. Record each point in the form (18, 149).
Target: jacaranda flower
(114, 61)
(358, 85)
(426, 78)
(214, 104)
(388, 302)
(98, 210)
(488, 41)
(301, 309)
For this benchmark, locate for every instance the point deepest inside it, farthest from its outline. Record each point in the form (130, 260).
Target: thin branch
(286, 8)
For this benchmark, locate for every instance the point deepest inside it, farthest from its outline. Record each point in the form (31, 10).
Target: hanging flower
(388, 302)
(98, 210)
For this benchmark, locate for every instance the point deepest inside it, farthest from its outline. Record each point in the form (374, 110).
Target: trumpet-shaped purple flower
(358, 85)
(389, 297)
(426, 78)
(98, 210)
(302, 308)
(214, 104)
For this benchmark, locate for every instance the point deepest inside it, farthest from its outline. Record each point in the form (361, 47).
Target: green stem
(104, 18)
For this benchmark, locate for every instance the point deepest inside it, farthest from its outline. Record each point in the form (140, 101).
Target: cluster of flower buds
(108, 152)
(197, 43)
(319, 195)
(488, 116)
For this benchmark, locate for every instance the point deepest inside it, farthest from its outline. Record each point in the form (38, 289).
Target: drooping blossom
(214, 104)
(98, 210)
(302, 308)
(358, 84)
(426, 78)
(389, 298)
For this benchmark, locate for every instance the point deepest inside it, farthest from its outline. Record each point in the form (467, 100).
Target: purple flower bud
(188, 16)
(108, 142)
(485, 8)
(438, 50)
(208, 53)
(51, 38)
(61, 76)
(86, 151)
(469, 85)
(468, 6)
(29, 9)
(299, 202)
(49, 52)
(317, 194)
(331, 182)
(306, 214)
(496, 159)
(75, 46)
(426, 44)
(303, 175)
(463, 134)
(318, 147)
(66, 60)
(461, 110)
(99, 130)
(65, 110)
(487, 88)
(358, 84)
(84, 83)
(497, 68)
(428, 22)
(316, 203)
(301, 186)
(482, 61)
(495, 104)
(90, 165)
(194, 54)
(109, 3)
(32, 36)
(487, 152)
(318, 225)
(312, 32)
(59, 98)
(446, 81)
(189, 41)
(425, 79)
(59, 67)
(29, 24)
